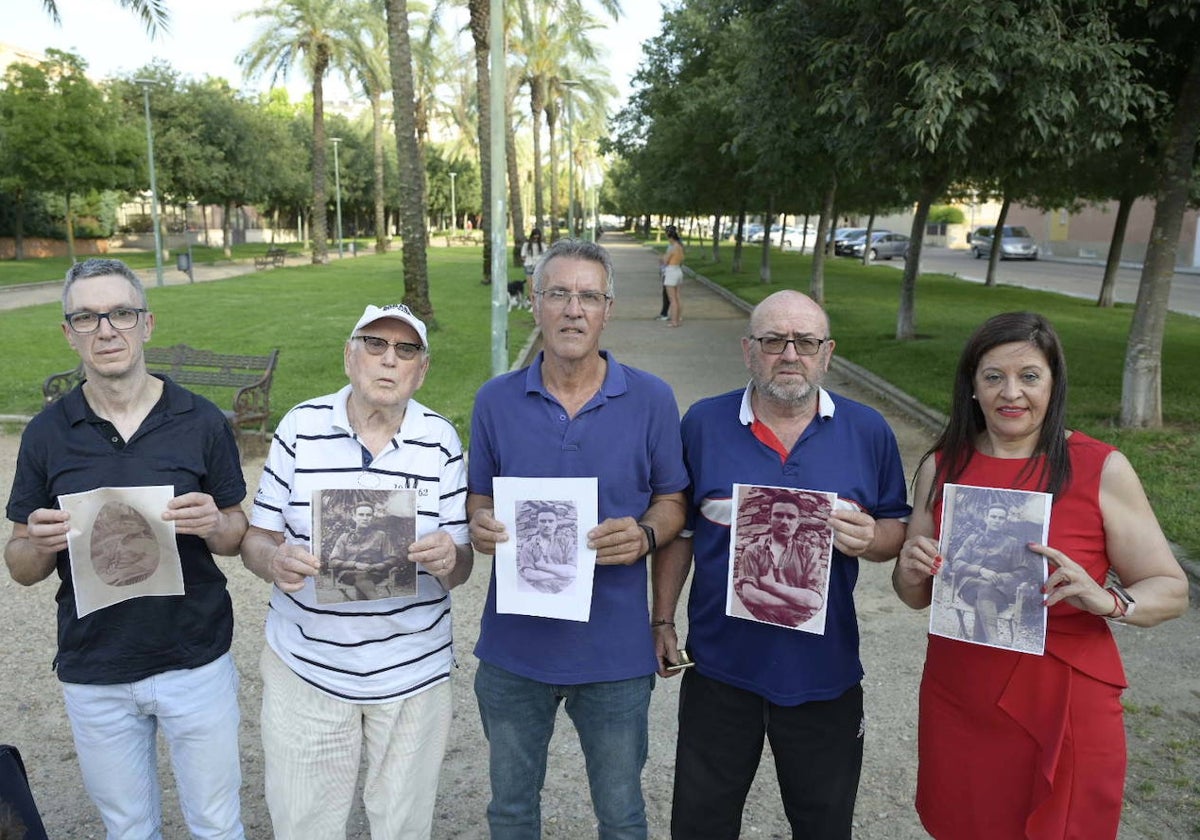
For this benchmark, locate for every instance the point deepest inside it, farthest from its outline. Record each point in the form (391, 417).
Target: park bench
(272, 259)
(249, 375)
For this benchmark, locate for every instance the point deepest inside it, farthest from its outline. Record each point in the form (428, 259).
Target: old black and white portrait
(361, 538)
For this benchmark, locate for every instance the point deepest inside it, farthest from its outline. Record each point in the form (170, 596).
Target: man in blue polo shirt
(148, 662)
(575, 412)
(753, 680)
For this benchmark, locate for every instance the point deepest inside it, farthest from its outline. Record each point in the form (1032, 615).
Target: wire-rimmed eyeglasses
(562, 298)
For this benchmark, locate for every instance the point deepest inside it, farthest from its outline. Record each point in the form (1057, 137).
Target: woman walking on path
(531, 252)
(672, 262)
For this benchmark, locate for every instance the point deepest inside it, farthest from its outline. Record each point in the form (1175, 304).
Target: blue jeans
(115, 729)
(611, 719)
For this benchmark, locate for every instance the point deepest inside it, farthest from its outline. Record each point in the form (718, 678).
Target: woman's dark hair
(672, 232)
(956, 444)
(536, 233)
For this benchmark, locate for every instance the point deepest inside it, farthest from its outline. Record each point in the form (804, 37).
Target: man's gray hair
(97, 267)
(576, 249)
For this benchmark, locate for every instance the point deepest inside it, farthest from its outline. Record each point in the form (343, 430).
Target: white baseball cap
(399, 312)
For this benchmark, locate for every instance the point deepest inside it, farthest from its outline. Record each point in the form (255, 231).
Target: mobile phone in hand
(685, 661)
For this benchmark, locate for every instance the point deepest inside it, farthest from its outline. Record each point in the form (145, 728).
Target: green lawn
(306, 312)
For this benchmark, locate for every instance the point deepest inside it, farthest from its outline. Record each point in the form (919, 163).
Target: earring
(974, 397)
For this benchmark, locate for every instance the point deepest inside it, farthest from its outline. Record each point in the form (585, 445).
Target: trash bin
(183, 262)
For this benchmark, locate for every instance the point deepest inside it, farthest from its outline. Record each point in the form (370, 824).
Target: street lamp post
(567, 85)
(158, 265)
(453, 206)
(337, 186)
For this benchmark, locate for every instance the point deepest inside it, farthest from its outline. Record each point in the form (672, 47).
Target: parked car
(752, 233)
(843, 236)
(1015, 244)
(884, 245)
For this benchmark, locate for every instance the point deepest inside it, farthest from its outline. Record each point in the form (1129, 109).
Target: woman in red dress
(1014, 745)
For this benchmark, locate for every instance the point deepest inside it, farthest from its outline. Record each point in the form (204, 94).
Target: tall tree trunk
(381, 239)
(716, 238)
(1141, 383)
(70, 224)
(866, 258)
(738, 239)
(411, 163)
(320, 224)
(227, 229)
(906, 318)
(514, 189)
(997, 243)
(764, 260)
(555, 197)
(19, 223)
(825, 228)
(1108, 286)
(537, 107)
(483, 88)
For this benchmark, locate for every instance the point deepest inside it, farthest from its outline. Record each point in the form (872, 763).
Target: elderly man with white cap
(338, 678)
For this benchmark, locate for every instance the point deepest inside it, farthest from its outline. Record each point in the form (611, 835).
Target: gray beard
(791, 396)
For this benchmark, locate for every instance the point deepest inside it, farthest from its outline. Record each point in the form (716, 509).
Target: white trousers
(312, 746)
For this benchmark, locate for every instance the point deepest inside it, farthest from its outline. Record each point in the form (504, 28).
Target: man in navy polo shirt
(754, 680)
(148, 662)
(575, 412)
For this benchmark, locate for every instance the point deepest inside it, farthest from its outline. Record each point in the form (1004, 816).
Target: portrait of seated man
(364, 556)
(546, 559)
(781, 573)
(994, 565)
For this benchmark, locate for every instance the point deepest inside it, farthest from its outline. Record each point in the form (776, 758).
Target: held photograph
(545, 568)
(989, 591)
(361, 538)
(780, 550)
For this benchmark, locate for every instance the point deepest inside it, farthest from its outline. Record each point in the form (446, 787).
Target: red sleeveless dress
(1013, 745)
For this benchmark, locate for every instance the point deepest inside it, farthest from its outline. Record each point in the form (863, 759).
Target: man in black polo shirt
(145, 663)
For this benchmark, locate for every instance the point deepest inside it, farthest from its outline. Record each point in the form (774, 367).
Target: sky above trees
(205, 38)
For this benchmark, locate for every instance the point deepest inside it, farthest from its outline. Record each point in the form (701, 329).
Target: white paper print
(120, 547)
(545, 567)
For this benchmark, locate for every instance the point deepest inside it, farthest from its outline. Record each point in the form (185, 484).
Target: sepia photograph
(780, 551)
(120, 547)
(361, 538)
(989, 591)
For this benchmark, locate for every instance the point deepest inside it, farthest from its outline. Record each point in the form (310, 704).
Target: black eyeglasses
(376, 346)
(121, 318)
(806, 345)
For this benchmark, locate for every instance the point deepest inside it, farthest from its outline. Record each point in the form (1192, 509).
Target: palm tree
(411, 163)
(369, 65)
(554, 43)
(152, 12)
(318, 35)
